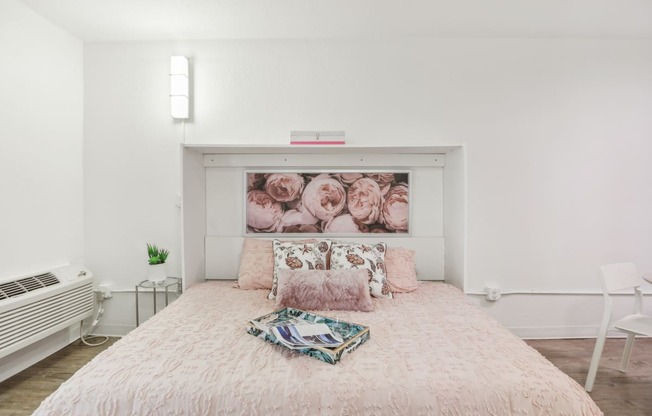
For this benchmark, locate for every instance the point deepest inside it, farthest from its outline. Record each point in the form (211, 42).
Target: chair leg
(626, 352)
(595, 360)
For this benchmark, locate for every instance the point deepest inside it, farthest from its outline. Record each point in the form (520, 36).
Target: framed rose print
(327, 202)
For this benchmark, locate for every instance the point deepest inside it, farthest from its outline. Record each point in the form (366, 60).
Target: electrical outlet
(104, 290)
(492, 294)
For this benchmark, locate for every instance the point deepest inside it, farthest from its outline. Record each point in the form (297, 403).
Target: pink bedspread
(431, 352)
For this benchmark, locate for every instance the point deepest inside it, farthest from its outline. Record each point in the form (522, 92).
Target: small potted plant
(157, 269)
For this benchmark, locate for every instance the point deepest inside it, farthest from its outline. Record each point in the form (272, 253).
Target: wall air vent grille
(27, 284)
(37, 305)
(49, 312)
(47, 279)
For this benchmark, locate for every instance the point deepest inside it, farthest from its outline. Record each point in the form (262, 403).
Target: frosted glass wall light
(179, 87)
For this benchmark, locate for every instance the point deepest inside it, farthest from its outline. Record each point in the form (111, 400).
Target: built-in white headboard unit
(213, 198)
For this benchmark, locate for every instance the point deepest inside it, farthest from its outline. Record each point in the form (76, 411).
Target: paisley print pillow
(364, 256)
(298, 256)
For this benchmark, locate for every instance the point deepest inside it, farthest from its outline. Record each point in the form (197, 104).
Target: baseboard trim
(560, 332)
(113, 330)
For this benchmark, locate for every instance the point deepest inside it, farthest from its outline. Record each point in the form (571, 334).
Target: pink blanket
(431, 352)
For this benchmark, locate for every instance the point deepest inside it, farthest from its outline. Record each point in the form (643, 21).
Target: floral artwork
(329, 203)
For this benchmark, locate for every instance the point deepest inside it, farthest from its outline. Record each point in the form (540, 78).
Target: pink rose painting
(327, 203)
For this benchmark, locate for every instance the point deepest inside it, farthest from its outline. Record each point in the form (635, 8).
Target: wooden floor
(24, 392)
(616, 393)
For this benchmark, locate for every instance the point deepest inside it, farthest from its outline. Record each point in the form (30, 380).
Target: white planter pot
(157, 273)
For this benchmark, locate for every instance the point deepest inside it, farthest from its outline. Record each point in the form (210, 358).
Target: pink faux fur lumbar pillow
(321, 290)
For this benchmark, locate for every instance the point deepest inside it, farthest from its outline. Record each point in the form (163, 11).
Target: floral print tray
(353, 335)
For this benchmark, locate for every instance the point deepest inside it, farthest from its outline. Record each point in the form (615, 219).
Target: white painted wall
(557, 135)
(41, 186)
(41, 114)
(455, 216)
(131, 163)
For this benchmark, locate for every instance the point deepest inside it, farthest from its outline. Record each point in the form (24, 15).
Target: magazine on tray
(296, 333)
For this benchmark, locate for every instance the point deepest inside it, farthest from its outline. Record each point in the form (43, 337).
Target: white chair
(617, 277)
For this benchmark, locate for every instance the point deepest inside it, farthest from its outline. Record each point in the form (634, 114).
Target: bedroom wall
(41, 113)
(41, 186)
(556, 135)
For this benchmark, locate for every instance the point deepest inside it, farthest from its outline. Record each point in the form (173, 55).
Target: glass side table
(164, 285)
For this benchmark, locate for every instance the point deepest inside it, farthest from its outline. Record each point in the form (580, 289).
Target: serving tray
(352, 334)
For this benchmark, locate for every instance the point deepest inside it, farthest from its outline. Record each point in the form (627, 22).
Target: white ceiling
(118, 20)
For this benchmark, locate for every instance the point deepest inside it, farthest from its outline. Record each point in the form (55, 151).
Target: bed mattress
(431, 352)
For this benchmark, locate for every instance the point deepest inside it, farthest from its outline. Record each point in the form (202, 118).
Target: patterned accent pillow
(298, 256)
(364, 256)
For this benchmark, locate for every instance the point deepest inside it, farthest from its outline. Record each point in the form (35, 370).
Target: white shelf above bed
(317, 149)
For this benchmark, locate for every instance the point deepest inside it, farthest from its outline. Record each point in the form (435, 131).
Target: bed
(431, 352)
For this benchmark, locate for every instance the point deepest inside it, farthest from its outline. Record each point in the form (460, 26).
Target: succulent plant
(156, 255)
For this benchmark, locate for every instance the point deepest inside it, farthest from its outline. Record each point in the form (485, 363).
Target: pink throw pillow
(401, 269)
(321, 290)
(256, 264)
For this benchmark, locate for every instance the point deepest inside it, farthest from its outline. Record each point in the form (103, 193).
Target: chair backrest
(618, 276)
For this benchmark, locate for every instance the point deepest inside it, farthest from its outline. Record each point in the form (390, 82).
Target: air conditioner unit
(37, 305)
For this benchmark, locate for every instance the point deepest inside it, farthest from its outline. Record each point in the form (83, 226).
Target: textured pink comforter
(431, 352)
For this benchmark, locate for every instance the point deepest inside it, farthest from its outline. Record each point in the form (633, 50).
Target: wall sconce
(179, 87)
